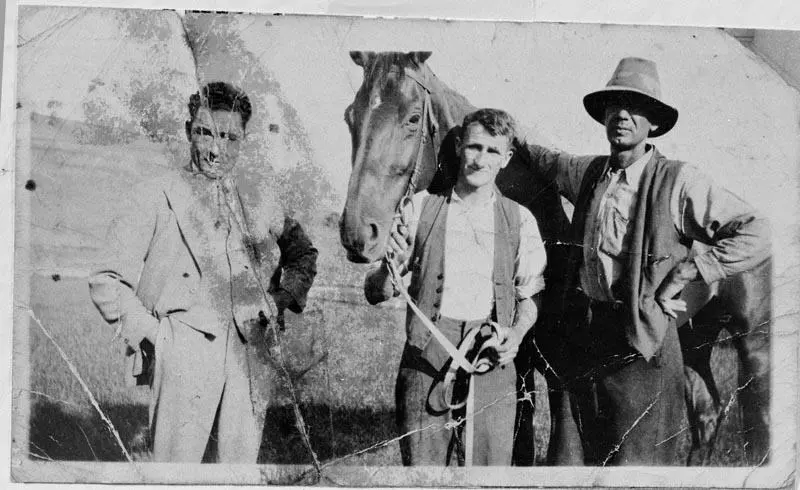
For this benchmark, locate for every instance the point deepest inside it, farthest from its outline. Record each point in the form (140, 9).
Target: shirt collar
(454, 197)
(633, 173)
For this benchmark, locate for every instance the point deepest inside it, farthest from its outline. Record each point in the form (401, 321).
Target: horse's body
(387, 123)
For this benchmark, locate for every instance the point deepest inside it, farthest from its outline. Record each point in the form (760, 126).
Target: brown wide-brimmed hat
(635, 80)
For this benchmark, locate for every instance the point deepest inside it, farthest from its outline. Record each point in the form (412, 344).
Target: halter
(427, 133)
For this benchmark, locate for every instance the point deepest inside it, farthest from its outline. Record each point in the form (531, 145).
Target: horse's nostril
(373, 232)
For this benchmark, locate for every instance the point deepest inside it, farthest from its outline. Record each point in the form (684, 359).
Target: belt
(607, 307)
(459, 359)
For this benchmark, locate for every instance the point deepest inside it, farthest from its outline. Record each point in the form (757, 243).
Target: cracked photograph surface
(297, 243)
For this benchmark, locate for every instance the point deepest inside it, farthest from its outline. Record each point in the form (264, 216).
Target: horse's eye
(414, 119)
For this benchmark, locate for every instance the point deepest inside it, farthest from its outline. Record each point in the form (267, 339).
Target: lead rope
(458, 355)
(459, 361)
(405, 209)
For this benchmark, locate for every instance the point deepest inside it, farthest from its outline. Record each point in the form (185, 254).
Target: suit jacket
(153, 271)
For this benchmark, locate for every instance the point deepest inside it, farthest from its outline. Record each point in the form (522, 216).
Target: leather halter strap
(427, 134)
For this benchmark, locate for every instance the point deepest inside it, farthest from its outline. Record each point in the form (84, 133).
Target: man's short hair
(221, 96)
(495, 121)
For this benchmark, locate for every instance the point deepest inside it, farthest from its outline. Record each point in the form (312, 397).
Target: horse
(397, 148)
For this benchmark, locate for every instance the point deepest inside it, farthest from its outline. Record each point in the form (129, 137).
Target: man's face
(215, 137)
(482, 156)
(627, 126)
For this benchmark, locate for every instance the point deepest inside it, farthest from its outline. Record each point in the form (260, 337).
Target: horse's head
(391, 124)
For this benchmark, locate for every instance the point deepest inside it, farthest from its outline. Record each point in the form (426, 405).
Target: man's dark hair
(221, 96)
(495, 121)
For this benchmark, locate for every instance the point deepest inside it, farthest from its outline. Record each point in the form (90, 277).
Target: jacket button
(185, 274)
(441, 276)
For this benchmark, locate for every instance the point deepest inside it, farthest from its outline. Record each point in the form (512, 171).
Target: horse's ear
(419, 57)
(362, 58)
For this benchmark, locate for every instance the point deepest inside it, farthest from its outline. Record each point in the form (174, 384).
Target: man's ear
(458, 144)
(509, 156)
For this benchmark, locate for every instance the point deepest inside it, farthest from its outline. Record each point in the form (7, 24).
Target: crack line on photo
(92, 399)
(618, 446)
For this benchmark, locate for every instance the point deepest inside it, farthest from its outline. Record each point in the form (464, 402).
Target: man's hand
(511, 337)
(398, 245)
(282, 301)
(681, 275)
(510, 340)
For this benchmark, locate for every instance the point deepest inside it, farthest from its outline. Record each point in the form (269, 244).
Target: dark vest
(655, 248)
(427, 263)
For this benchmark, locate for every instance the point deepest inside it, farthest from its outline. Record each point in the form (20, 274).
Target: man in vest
(474, 256)
(636, 216)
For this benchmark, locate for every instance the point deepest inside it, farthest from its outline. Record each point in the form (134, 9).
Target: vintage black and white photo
(348, 251)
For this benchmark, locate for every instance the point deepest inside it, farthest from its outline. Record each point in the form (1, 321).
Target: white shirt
(468, 292)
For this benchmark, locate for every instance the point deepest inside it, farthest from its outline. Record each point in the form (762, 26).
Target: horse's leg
(697, 339)
(703, 416)
(525, 433)
(750, 297)
(754, 392)
(565, 447)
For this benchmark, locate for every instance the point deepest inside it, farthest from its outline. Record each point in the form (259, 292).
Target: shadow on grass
(61, 433)
(333, 432)
(73, 434)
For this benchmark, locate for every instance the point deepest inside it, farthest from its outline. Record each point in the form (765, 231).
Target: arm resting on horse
(298, 264)
(561, 168)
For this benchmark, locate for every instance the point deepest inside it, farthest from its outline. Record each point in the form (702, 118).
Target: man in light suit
(204, 276)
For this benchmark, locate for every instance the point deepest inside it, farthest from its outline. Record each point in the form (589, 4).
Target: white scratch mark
(635, 423)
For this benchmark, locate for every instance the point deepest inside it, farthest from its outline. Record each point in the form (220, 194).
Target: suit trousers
(632, 411)
(423, 417)
(201, 408)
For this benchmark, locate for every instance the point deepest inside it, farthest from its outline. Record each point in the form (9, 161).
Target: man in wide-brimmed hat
(636, 215)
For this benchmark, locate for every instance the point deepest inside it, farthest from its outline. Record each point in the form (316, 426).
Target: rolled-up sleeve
(298, 263)
(738, 235)
(531, 257)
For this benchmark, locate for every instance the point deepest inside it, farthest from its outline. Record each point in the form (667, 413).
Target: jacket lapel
(178, 196)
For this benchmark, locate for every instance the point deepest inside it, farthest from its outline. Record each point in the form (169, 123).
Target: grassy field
(346, 399)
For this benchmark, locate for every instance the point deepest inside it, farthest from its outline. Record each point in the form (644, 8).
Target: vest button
(436, 316)
(441, 276)
(437, 304)
(185, 274)
(439, 289)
